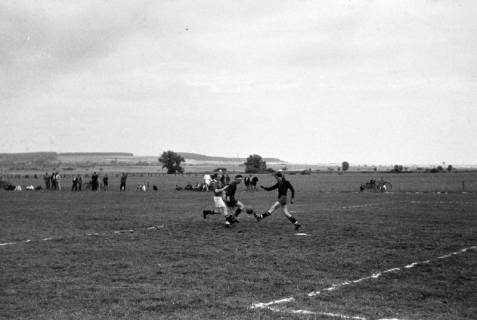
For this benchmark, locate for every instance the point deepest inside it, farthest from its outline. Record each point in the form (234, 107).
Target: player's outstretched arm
(275, 186)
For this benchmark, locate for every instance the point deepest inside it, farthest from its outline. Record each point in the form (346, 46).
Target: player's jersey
(217, 185)
(231, 189)
(282, 187)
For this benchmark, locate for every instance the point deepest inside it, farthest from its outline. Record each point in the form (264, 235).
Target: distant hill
(38, 160)
(97, 154)
(201, 157)
(28, 159)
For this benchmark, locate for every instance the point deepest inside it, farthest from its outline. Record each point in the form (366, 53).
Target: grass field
(151, 255)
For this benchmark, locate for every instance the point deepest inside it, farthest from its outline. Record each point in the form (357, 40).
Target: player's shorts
(219, 202)
(282, 200)
(231, 203)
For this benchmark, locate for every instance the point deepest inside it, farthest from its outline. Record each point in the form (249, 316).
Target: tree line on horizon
(172, 161)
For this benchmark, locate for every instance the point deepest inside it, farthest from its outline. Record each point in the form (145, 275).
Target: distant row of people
(250, 182)
(52, 182)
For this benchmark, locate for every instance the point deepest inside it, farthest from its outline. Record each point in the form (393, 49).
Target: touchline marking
(95, 234)
(264, 305)
(361, 206)
(308, 312)
(376, 275)
(7, 243)
(328, 314)
(379, 274)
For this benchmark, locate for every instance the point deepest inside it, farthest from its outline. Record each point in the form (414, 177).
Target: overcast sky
(378, 82)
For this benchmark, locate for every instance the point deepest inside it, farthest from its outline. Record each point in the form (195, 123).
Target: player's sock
(257, 216)
(206, 212)
(231, 219)
(266, 214)
(295, 223)
(237, 212)
(292, 220)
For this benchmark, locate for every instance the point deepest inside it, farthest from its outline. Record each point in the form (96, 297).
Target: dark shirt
(282, 187)
(230, 191)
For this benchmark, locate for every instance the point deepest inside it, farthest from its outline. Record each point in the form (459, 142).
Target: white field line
(362, 206)
(375, 275)
(308, 312)
(7, 243)
(93, 234)
(264, 305)
(379, 274)
(321, 313)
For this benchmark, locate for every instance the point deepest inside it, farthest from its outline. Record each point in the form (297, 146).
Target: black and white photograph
(238, 159)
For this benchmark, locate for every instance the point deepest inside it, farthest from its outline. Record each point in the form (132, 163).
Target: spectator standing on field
(105, 182)
(283, 186)
(207, 181)
(246, 181)
(74, 187)
(254, 182)
(94, 181)
(54, 185)
(47, 179)
(122, 186)
(80, 182)
(58, 181)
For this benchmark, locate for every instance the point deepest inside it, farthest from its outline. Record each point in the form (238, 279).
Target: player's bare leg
(267, 213)
(290, 217)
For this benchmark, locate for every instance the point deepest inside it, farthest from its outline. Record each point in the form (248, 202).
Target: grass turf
(191, 268)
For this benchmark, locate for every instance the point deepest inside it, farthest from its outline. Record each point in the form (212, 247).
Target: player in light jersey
(220, 207)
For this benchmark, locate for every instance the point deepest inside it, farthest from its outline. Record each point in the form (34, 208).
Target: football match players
(230, 199)
(220, 207)
(283, 186)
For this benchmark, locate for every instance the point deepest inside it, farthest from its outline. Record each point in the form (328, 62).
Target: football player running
(232, 202)
(283, 186)
(220, 207)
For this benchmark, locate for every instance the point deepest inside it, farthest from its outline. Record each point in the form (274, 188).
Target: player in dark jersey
(283, 186)
(231, 201)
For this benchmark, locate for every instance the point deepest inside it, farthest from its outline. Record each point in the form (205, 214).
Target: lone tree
(172, 161)
(255, 164)
(345, 166)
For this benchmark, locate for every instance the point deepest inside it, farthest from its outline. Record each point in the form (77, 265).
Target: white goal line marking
(88, 235)
(340, 285)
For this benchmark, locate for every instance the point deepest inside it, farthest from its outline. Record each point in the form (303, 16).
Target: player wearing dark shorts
(230, 199)
(283, 186)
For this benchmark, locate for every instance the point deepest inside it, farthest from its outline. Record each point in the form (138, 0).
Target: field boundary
(271, 305)
(90, 234)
